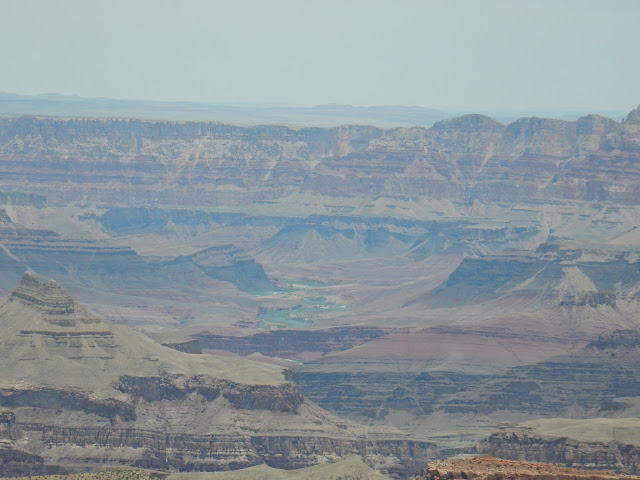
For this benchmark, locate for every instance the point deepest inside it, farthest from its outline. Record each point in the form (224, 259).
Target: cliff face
(93, 447)
(457, 262)
(216, 452)
(564, 276)
(526, 444)
(471, 158)
(116, 396)
(183, 163)
(55, 345)
(596, 380)
(475, 158)
(489, 468)
(200, 164)
(349, 467)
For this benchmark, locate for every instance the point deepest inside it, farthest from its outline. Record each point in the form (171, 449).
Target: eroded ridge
(51, 299)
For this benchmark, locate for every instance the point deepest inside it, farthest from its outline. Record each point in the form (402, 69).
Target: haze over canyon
(200, 296)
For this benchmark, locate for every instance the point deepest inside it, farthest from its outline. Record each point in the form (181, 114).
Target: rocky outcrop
(14, 460)
(225, 263)
(218, 452)
(525, 444)
(7, 417)
(592, 299)
(490, 468)
(634, 117)
(52, 300)
(619, 341)
(44, 311)
(72, 380)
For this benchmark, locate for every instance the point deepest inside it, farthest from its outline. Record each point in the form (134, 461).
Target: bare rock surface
(490, 468)
(610, 443)
(434, 280)
(42, 325)
(80, 392)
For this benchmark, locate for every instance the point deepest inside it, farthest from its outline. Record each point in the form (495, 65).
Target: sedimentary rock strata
(490, 468)
(117, 396)
(451, 267)
(610, 443)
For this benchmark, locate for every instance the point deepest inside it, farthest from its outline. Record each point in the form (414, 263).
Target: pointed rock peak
(29, 279)
(50, 298)
(4, 217)
(634, 117)
(576, 281)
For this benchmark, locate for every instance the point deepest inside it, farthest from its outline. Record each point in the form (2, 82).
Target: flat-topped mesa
(51, 299)
(135, 402)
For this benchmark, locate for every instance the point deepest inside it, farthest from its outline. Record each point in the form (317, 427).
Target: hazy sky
(500, 54)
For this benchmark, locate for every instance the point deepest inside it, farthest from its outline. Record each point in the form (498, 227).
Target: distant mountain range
(53, 104)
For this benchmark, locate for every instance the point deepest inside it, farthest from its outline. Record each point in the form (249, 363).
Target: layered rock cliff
(52, 344)
(202, 164)
(183, 163)
(118, 397)
(461, 259)
(595, 443)
(600, 379)
(489, 468)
